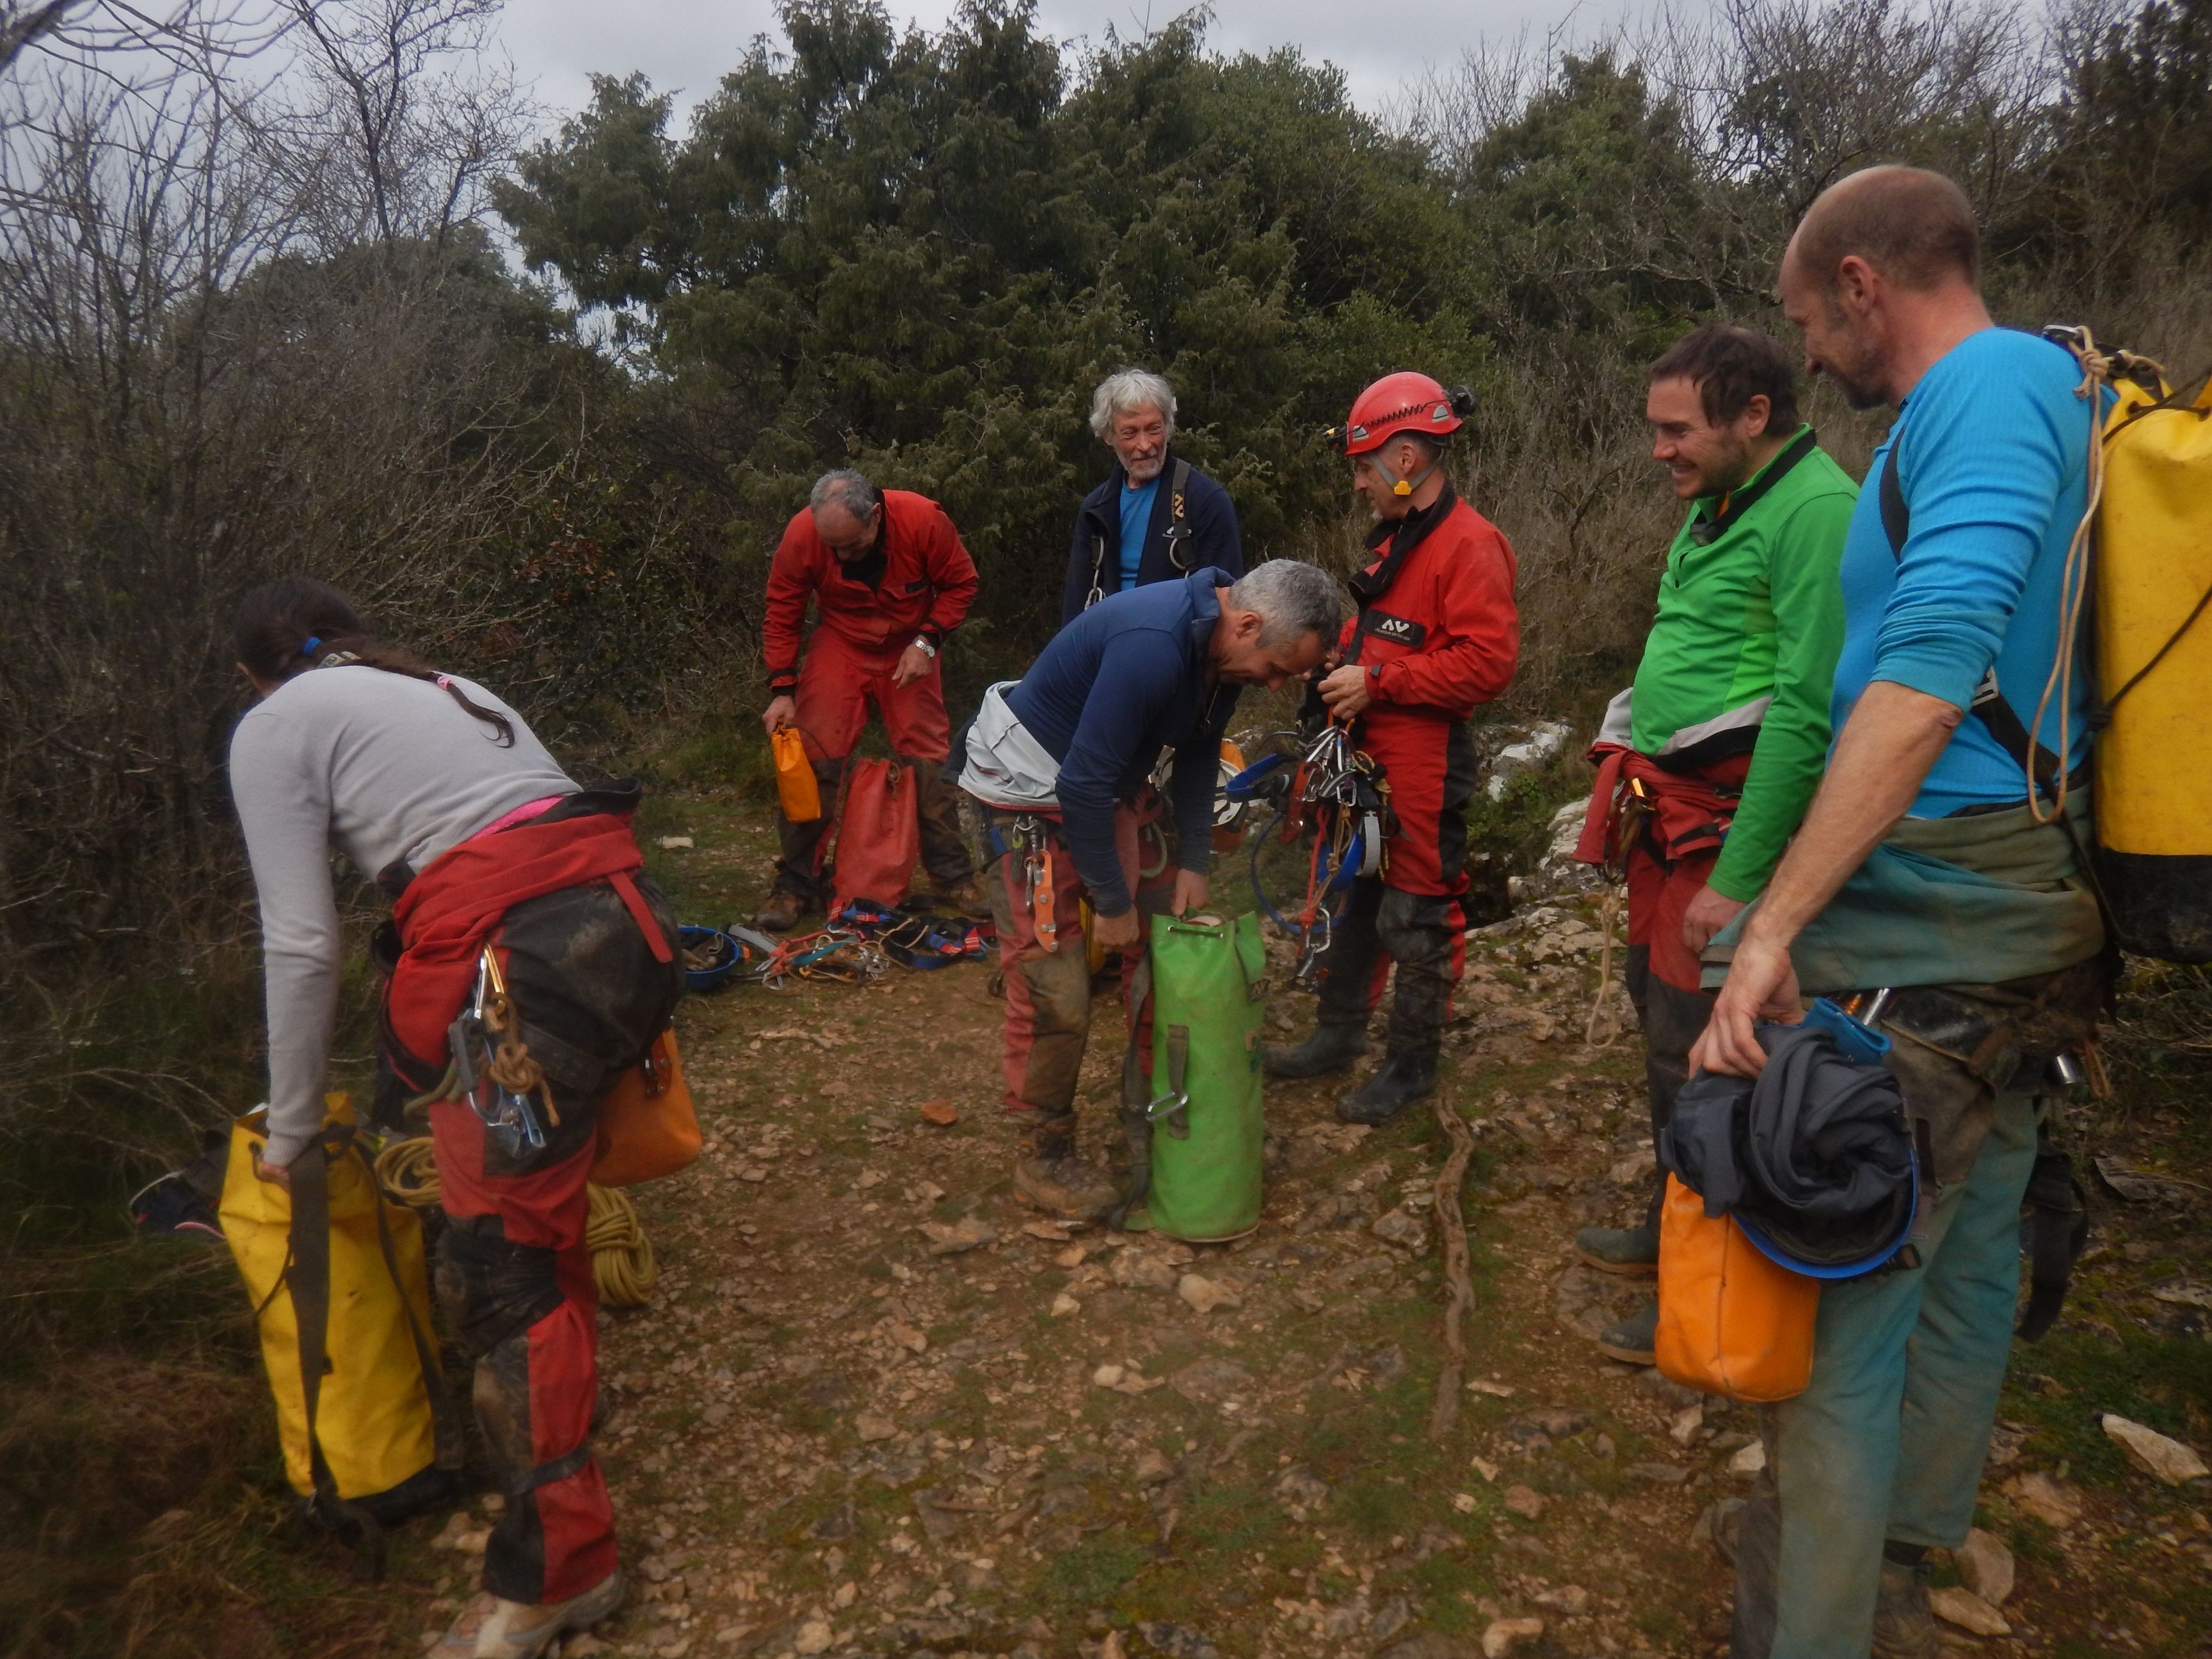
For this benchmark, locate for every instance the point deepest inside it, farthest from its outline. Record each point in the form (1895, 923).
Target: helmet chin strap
(1404, 486)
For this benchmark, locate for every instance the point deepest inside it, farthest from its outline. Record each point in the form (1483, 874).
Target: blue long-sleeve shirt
(1130, 677)
(1991, 449)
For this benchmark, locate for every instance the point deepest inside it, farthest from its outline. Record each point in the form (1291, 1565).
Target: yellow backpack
(2150, 493)
(343, 1299)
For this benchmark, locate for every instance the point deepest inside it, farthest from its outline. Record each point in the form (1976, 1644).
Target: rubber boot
(489, 1628)
(964, 897)
(1408, 1075)
(1904, 1623)
(1632, 1339)
(1057, 1181)
(780, 913)
(1330, 1048)
(1631, 1251)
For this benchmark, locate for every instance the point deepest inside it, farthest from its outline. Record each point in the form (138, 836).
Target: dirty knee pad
(491, 1289)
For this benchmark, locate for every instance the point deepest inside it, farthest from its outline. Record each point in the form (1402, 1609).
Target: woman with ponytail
(438, 791)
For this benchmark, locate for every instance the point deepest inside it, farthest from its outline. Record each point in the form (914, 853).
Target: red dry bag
(878, 836)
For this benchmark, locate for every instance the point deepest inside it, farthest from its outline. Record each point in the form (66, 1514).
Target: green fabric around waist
(1958, 901)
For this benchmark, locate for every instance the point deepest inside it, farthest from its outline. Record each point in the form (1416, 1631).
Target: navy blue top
(1209, 520)
(1128, 678)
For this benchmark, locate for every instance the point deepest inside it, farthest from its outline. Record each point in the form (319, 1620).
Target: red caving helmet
(1404, 402)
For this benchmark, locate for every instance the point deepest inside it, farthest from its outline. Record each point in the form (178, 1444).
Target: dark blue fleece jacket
(1209, 537)
(1128, 678)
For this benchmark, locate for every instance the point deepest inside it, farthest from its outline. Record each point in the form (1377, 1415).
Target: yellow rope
(622, 1256)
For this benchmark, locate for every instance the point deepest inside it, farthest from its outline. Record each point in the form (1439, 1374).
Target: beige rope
(622, 1263)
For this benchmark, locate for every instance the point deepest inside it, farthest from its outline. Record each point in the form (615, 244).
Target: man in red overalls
(889, 581)
(1436, 634)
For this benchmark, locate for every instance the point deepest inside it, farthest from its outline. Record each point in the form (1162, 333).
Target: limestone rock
(1525, 1501)
(2154, 1452)
(1572, 1600)
(1967, 1611)
(1986, 1566)
(1204, 1295)
(1504, 1635)
(2049, 1500)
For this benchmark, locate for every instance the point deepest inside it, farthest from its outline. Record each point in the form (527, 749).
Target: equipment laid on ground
(343, 1300)
(795, 787)
(1196, 1133)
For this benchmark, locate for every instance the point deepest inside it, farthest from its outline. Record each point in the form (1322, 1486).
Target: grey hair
(848, 489)
(1127, 389)
(1293, 599)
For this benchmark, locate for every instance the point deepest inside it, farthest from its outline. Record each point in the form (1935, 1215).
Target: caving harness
(1177, 533)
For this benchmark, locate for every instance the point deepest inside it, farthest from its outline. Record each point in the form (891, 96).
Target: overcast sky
(687, 45)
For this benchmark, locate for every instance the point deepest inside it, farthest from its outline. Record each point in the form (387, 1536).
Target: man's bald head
(1914, 226)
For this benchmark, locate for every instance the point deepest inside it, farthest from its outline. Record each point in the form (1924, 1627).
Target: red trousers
(514, 1266)
(1430, 764)
(837, 683)
(1048, 990)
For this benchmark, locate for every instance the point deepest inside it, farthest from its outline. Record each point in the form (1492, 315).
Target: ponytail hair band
(309, 649)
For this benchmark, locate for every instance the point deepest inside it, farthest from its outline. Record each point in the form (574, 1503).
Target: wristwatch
(921, 644)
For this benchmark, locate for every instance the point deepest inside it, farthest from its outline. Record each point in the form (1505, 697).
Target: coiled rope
(622, 1256)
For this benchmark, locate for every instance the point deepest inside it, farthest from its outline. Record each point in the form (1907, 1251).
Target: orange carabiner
(1041, 907)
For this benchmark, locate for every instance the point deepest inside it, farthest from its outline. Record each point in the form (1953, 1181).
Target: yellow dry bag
(795, 786)
(2152, 595)
(343, 1299)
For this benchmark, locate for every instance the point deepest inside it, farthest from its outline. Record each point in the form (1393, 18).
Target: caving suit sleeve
(952, 577)
(1792, 748)
(793, 575)
(1139, 674)
(1474, 617)
(282, 789)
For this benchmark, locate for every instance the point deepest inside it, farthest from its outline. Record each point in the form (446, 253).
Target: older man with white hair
(1155, 516)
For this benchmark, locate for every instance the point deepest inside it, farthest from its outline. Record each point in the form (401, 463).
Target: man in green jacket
(1707, 763)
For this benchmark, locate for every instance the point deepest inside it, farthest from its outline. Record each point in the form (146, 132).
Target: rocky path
(878, 1409)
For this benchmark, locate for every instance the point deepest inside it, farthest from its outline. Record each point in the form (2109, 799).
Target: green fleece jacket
(1743, 652)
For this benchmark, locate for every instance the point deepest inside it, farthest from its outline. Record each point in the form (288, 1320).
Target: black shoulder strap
(1738, 502)
(1182, 487)
(309, 1281)
(1988, 705)
(1178, 532)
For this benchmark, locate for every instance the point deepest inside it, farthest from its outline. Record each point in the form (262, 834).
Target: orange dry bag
(1731, 1322)
(646, 1127)
(794, 775)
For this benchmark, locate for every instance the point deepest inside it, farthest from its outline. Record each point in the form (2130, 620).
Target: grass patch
(1093, 1573)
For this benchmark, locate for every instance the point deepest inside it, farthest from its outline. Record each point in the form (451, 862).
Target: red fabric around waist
(1688, 813)
(449, 911)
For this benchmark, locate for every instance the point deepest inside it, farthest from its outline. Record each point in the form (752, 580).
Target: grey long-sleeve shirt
(382, 767)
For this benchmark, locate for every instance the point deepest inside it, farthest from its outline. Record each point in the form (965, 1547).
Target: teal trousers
(1888, 1440)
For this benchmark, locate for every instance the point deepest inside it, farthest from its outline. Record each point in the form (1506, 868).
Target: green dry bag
(1201, 1121)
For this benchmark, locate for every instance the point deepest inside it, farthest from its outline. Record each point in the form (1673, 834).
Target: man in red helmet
(1436, 634)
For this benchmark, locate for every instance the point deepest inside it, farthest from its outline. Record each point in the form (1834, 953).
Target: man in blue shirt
(1923, 871)
(1059, 767)
(1155, 518)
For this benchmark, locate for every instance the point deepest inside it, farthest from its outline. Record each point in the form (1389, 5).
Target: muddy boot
(490, 1628)
(1904, 1624)
(1631, 1251)
(964, 897)
(1631, 1340)
(1407, 1076)
(1057, 1181)
(1330, 1048)
(782, 912)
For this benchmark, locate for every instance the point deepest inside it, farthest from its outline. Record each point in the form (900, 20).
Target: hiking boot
(1405, 1078)
(1904, 1624)
(1065, 1186)
(964, 897)
(1631, 1251)
(489, 1628)
(1631, 1340)
(1330, 1048)
(782, 912)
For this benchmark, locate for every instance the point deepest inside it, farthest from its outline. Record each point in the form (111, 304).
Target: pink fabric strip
(521, 814)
